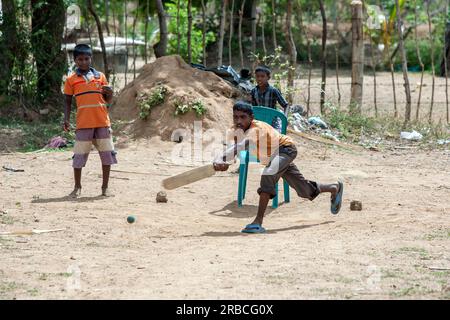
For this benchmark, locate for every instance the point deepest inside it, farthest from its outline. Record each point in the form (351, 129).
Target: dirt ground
(397, 247)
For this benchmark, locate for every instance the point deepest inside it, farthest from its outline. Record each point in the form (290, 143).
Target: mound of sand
(181, 82)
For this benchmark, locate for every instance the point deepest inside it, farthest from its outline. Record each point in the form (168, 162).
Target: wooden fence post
(357, 56)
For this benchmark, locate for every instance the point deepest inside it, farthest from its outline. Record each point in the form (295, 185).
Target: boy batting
(277, 152)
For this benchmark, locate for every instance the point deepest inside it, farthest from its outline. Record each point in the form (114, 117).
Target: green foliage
(147, 101)
(196, 34)
(36, 135)
(349, 124)
(183, 106)
(425, 53)
(198, 107)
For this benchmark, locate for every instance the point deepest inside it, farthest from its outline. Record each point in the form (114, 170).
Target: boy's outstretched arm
(67, 110)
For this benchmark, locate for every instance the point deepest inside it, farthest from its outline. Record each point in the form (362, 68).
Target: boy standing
(278, 152)
(93, 97)
(266, 95)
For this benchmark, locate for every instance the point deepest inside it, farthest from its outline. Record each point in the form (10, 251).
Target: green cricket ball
(131, 219)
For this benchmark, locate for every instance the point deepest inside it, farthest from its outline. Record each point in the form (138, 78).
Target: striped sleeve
(280, 98)
(68, 89)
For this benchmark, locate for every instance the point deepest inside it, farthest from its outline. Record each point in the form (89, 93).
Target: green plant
(198, 107)
(349, 124)
(148, 101)
(183, 106)
(196, 34)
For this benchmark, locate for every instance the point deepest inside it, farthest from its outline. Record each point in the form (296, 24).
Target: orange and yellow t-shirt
(92, 111)
(263, 138)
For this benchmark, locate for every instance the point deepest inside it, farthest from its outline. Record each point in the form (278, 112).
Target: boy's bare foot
(106, 193)
(75, 193)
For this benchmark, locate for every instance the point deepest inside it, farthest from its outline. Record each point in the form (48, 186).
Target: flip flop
(336, 204)
(253, 228)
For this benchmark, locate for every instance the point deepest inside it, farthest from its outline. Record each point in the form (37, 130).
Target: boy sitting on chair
(265, 95)
(277, 152)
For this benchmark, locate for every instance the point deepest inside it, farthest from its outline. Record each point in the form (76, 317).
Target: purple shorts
(101, 138)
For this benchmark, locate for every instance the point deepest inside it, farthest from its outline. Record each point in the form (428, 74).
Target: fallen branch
(27, 232)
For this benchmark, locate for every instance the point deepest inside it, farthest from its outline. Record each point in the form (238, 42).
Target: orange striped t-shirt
(92, 111)
(264, 140)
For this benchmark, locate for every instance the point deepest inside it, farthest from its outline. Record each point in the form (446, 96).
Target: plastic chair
(266, 115)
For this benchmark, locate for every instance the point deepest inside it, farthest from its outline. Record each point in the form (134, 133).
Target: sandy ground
(397, 247)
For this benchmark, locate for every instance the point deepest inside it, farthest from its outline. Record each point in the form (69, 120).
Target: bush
(148, 101)
(425, 53)
(182, 106)
(349, 124)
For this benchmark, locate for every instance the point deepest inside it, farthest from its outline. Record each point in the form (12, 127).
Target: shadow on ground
(269, 231)
(246, 211)
(69, 199)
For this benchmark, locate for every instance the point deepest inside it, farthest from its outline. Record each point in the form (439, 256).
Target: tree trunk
(125, 23)
(394, 92)
(48, 21)
(204, 32)
(223, 17)
(432, 61)
(145, 32)
(422, 66)
(241, 51)
(253, 18)
(8, 44)
(274, 26)
(160, 47)
(134, 47)
(404, 64)
(189, 31)
(107, 17)
(336, 51)
(308, 46)
(263, 35)
(100, 34)
(324, 56)
(292, 51)
(445, 59)
(357, 57)
(374, 69)
(114, 46)
(178, 28)
(231, 33)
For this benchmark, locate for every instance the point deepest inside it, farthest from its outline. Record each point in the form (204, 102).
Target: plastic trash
(414, 135)
(316, 121)
(442, 141)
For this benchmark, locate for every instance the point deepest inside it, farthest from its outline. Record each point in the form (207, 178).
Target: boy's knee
(267, 185)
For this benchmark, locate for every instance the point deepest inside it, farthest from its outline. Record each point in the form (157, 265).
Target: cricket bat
(188, 177)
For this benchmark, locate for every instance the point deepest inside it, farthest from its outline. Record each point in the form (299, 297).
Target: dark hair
(263, 69)
(244, 107)
(82, 49)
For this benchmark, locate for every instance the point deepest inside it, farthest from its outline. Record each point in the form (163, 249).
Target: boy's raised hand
(107, 91)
